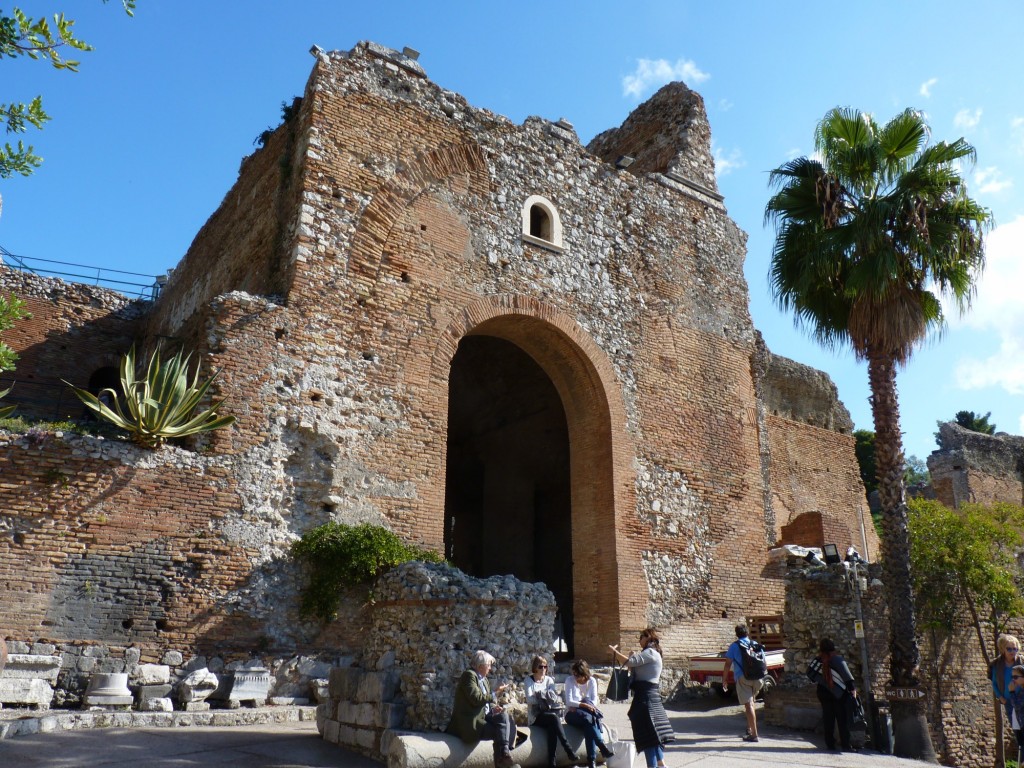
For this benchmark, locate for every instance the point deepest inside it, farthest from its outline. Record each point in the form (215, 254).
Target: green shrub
(339, 556)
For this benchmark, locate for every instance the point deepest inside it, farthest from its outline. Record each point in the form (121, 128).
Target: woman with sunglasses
(1009, 656)
(651, 728)
(539, 685)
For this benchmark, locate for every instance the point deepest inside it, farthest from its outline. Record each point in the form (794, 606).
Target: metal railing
(114, 279)
(51, 401)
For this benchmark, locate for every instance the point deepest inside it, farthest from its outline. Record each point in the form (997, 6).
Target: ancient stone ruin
(517, 350)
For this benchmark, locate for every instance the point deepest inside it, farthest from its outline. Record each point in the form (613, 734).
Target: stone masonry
(484, 336)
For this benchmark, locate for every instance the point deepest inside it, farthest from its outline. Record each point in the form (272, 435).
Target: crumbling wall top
(669, 134)
(800, 393)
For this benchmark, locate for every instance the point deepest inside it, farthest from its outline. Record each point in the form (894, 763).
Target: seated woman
(539, 686)
(582, 711)
(476, 714)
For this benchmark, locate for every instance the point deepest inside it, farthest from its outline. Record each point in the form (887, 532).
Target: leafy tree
(865, 452)
(867, 239)
(967, 558)
(12, 309)
(972, 421)
(916, 471)
(40, 39)
(159, 406)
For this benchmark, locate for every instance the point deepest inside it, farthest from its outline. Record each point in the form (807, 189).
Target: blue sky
(147, 137)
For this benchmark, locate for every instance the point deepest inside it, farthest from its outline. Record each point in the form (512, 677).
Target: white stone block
(32, 692)
(152, 674)
(331, 731)
(158, 705)
(197, 686)
(26, 665)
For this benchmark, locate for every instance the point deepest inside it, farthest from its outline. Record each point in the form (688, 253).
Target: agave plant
(159, 406)
(6, 410)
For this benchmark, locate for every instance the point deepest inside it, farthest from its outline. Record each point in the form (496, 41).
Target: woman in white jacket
(582, 711)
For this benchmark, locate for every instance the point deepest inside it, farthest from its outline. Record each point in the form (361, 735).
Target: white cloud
(967, 120)
(1020, 428)
(726, 164)
(725, 105)
(990, 180)
(926, 87)
(997, 310)
(794, 153)
(1017, 132)
(652, 73)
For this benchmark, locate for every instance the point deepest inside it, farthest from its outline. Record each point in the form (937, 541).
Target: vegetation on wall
(12, 309)
(967, 558)
(161, 405)
(338, 557)
(972, 421)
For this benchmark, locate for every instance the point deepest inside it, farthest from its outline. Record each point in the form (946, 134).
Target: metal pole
(869, 709)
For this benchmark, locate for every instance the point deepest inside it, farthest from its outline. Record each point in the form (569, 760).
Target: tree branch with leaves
(41, 39)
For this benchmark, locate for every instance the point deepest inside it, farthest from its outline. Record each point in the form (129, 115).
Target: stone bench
(416, 749)
(27, 680)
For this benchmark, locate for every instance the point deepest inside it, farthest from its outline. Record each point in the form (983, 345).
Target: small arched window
(541, 224)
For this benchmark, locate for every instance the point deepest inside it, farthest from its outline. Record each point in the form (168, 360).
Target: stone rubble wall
(954, 673)
(334, 294)
(428, 620)
(974, 467)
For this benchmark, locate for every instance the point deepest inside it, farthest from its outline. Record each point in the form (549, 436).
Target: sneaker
(750, 737)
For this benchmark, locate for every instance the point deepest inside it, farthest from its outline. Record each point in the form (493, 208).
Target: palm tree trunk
(910, 726)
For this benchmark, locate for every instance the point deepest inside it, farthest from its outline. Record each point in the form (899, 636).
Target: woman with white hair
(477, 715)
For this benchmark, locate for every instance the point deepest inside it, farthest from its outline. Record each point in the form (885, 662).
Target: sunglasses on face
(542, 666)
(1012, 649)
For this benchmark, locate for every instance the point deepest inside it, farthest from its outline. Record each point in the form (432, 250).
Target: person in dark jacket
(476, 714)
(836, 691)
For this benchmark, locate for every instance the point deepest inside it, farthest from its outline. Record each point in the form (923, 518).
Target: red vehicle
(767, 630)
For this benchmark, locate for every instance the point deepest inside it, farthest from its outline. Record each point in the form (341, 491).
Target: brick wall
(394, 233)
(74, 331)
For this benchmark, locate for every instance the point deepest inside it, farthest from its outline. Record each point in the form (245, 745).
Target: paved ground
(707, 736)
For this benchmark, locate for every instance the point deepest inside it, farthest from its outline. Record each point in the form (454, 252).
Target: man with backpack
(749, 667)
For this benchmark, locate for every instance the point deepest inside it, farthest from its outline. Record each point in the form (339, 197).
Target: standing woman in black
(836, 691)
(651, 728)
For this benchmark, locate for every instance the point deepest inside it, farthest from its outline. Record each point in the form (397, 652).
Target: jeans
(591, 727)
(654, 756)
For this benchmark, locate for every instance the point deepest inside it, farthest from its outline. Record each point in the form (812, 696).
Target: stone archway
(600, 471)
(508, 507)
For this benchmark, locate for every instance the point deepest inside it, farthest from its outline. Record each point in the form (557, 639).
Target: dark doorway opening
(507, 494)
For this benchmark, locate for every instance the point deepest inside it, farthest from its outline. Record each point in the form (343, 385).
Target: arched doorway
(508, 505)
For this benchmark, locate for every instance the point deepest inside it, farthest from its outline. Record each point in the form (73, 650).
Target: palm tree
(869, 234)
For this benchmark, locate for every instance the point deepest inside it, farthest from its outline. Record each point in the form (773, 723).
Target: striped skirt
(648, 718)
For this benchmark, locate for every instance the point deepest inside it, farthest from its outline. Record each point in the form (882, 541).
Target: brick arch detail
(610, 591)
(390, 201)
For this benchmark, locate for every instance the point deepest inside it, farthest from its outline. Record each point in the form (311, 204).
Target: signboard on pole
(858, 629)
